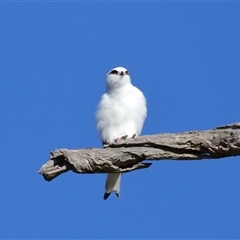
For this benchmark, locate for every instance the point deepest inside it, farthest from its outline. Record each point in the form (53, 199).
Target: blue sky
(185, 57)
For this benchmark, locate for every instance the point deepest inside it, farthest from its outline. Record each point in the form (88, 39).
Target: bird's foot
(118, 195)
(124, 137)
(134, 135)
(121, 138)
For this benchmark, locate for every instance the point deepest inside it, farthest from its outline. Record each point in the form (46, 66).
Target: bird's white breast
(121, 112)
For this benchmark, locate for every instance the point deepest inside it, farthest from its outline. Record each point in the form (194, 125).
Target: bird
(120, 114)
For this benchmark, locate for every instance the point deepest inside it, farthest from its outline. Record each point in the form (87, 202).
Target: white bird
(120, 114)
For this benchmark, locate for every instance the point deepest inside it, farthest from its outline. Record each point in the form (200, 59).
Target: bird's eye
(114, 72)
(126, 72)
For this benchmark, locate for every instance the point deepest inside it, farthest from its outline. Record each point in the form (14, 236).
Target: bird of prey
(120, 114)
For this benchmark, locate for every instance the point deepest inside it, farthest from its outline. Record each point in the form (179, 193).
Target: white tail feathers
(113, 183)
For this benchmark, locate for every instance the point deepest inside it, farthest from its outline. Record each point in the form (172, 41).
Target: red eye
(114, 72)
(126, 72)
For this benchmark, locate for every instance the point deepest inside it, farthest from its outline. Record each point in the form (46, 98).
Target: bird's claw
(124, 137)
(121, 138)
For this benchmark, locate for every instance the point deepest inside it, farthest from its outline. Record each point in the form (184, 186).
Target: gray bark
(128, 155)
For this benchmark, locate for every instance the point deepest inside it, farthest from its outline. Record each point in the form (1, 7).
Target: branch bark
(128, 155)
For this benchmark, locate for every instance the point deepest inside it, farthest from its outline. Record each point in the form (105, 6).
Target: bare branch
(128, 155)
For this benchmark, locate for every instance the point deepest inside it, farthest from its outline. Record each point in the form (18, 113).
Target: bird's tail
(113, 183)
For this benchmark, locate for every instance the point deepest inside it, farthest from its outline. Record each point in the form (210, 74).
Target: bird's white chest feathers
(121, 112)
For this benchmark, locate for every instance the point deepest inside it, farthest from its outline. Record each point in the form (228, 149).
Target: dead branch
(128, 155)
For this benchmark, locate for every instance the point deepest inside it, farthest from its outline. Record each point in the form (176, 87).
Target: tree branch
(128, 155)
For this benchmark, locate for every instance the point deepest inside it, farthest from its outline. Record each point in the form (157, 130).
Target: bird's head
(117, 77)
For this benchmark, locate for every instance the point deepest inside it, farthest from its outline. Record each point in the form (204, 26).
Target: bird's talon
(134, 135)
(124, 137)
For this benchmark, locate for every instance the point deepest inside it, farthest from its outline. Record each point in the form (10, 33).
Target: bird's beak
(122, 73)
